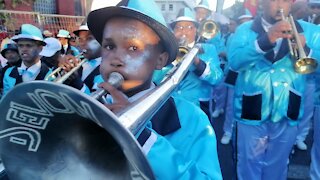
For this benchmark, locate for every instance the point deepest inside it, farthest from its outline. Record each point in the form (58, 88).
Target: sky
(227, 3)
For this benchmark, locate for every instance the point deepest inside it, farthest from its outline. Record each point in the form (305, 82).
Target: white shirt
(266, 26)
(89, 66)
(29, 74)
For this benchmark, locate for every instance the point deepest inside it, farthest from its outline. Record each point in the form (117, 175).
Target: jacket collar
(284, 48)
(166, 120)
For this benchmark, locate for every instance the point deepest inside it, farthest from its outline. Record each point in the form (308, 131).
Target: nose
(116, 60)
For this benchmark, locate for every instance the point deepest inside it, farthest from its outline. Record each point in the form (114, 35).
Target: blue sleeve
(209, 60)
(242, 50)
(188, 153)
(8, 82)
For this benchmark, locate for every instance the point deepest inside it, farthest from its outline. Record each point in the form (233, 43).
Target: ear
(162, 60)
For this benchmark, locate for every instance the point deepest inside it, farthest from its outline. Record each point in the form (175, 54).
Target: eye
(133, 48)
(108, 46)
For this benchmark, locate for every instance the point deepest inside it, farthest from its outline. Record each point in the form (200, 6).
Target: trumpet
(301, 63)
(208, 29)
(54, 75)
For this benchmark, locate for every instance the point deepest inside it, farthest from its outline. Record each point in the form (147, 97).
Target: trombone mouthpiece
(115, 79)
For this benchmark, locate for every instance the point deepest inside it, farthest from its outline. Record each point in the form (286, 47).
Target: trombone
(301, 62)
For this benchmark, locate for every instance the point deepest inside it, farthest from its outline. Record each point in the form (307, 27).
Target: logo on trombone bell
(31, 120)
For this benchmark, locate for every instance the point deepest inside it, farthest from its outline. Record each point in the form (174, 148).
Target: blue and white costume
(268, 98)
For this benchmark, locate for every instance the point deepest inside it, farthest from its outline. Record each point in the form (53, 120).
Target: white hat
(83, 27)
(53, 45)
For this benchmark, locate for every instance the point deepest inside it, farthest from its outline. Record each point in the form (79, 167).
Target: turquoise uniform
(198, 82)
(181, 144)
(12, 77)
(315, 151)
(268, 98)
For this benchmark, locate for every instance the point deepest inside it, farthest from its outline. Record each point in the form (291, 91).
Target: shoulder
(188, 111)
(8, 70)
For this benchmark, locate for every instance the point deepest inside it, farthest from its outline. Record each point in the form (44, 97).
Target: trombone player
(268, 95)
(206, 72)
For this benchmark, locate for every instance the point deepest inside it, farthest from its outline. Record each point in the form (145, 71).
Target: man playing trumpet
(268, 94)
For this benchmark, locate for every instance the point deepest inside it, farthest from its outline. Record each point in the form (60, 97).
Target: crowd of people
(244, 71)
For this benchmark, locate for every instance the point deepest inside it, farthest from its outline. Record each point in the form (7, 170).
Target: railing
(12, 20)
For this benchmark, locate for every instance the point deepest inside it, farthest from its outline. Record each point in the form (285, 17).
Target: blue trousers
(305, 123)
(315, 151)
(263, 150)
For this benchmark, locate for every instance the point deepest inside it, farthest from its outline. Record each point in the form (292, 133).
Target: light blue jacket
(182, 147)
(268, 88)
(195, 86)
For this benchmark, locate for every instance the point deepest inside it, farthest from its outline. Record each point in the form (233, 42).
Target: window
(163, 7)
(45, 6)
(170, 7)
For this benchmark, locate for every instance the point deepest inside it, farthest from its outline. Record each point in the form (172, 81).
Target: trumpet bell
(305, 65)
(208, 29)
(57, 132)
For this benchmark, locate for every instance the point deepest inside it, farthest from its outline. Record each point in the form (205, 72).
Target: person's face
(92, 47)
(63, 41)
(131, 48)
(315, 9)
(271, 9)
(12, 56)
(185, 30)
(232, 26)
(83, 35)
(29, 51)
(202, 14)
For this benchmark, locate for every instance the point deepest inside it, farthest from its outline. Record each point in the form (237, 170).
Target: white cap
(53, 45)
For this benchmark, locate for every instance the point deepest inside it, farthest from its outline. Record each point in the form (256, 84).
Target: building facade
(170, 8)
(62, 7)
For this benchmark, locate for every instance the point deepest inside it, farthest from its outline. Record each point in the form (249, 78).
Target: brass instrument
(54, 75)
(68, 134)
(208, 29)
(301, 63)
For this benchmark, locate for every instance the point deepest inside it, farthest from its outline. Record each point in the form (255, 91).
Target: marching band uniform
(89, 71)
(67, 48)
(306, 121)
(268, 98)
(315, 151)
(13, 47)
(38, 71)
(175, 147)
(197, 84)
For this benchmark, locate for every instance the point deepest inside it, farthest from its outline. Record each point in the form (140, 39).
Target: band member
(314, 6)
(305, 123)
(10, 52)
(89, 72)
(30, 43)
(135, 41)
(197, 85)
(64, 38)
(315, 151)
(51, 52)
(269, 92)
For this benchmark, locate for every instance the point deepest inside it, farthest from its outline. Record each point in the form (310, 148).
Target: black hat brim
(98, 18)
